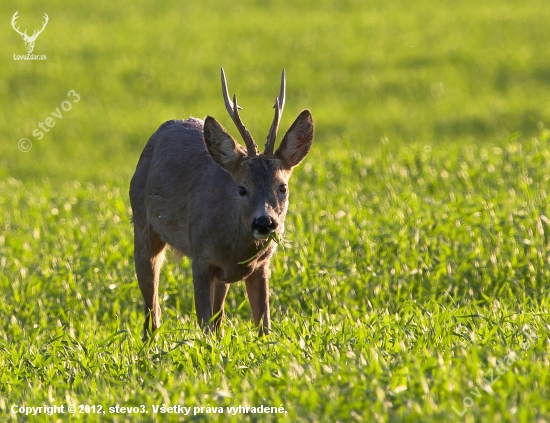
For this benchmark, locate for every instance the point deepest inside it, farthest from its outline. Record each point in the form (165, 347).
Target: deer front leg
(257, 288)
(203, 283)
(220, 292)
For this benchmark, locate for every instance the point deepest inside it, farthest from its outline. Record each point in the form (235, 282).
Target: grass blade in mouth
(273, 236)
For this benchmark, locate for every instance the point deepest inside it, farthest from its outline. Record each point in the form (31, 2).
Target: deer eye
(283, 189)
(242, 191)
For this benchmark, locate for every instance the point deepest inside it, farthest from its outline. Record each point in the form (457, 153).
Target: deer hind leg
(148, 257)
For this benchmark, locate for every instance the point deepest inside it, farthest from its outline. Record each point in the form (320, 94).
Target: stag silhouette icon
(29, 40)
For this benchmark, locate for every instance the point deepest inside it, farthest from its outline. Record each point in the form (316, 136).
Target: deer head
(29, 40)
(261, 179)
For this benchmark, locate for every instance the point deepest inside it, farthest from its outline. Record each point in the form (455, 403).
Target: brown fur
(184, 193)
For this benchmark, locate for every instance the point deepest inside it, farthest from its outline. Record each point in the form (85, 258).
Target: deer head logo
(29, 40)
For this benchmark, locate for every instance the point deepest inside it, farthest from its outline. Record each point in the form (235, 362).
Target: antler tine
(227, 101)
(282, 93)
(279, 106)
(233, 110)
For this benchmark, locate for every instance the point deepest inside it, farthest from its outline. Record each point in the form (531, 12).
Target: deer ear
(297, 141)
(222, 147)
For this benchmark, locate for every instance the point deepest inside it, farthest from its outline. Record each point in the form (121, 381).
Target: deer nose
(263, 226)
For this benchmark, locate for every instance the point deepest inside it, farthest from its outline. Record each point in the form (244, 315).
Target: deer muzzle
(262, 226)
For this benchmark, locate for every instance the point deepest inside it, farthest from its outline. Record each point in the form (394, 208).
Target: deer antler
(13, 19)
(233, 110)
(279, 106)
(35, 34)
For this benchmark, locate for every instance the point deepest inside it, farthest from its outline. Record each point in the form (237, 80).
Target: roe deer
(199, 191)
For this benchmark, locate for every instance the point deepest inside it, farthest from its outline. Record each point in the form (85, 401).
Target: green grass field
(414, 286)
